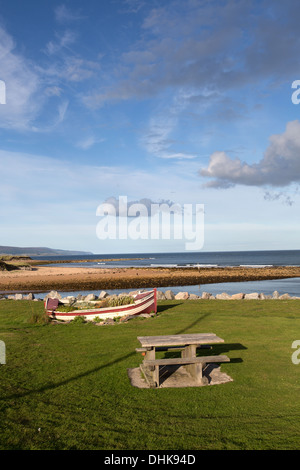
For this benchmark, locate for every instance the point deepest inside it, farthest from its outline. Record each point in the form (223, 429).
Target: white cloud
(88, 142)
(64, 14)
(280, 165)
(62, 41)
(23, 87)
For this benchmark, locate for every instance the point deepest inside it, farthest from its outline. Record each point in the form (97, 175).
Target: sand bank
(45, 278)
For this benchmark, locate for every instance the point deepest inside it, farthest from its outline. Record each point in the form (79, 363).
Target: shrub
(79, 319)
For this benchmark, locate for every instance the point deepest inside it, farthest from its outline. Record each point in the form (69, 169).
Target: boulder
(252, 296)
(160, 295)
(169, 295)
(102, 295)
(29, 296)
(206, 295)
(90, 297)
(238, 296)
(275, 295)
(284, 297)
(194, 297)
(223, 296)
(182, 296)
(53, 295)
(18, 296)
(68, 300)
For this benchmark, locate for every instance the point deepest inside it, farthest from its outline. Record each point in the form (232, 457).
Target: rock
(102, 295)
(182, 296)
(252, 296)
(79, 297)
(239, 296)
(194, 297)
(262, 296)
(126, 318)
(169, 295)
(53, 295)
(284, 297)
(28, 297)
(223, 296)
(90, 297)
(275, 295)
(160, 295)
(68, 300)
(18, 296)
(206, 295)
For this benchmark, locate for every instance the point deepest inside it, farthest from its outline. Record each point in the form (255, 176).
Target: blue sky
(187, 102)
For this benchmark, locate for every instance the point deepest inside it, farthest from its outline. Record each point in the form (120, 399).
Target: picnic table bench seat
(194, 365)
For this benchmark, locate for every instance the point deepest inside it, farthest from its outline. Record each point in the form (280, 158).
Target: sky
(156, 101)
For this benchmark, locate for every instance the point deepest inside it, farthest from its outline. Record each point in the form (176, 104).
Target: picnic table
(188, 344)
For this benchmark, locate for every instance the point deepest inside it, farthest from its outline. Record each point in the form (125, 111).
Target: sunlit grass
(65, 386)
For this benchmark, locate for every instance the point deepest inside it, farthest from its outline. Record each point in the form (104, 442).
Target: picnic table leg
(153, 370)
(150, 355)
(156, 375)
(189, 351)
(195, 371)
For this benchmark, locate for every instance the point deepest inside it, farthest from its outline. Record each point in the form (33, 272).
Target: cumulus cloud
(279, 167)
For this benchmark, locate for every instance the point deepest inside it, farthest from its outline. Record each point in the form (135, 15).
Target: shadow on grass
(162, 308)
(202, 317)
(69, 380)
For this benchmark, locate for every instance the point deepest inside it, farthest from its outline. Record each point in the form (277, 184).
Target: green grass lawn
(65, 386)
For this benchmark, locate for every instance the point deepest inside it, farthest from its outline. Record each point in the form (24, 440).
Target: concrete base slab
(178, 377)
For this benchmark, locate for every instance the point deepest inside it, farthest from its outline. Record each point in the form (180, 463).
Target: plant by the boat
(79, 319)
(112, 302)
(124, 300)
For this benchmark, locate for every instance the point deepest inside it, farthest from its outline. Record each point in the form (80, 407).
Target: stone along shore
(161, 295)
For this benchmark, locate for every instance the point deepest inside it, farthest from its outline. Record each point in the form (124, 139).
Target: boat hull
(144, 302)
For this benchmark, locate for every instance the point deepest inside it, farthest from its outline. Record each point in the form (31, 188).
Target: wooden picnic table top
(179, 340)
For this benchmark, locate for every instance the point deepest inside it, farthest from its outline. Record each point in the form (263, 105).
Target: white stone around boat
(160, 295)
(90, 297)
(53, 295)
(169, 295)
(182, 296)
(102, 295)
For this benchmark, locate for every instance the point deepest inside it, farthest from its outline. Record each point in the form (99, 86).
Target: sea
(258, 259)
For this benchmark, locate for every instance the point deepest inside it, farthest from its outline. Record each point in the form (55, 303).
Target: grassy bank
(66, 386)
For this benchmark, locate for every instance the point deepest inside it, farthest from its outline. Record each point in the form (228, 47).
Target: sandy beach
(46, 278)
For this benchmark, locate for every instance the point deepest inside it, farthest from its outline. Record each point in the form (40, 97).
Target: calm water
(226, 258)
(241, 258)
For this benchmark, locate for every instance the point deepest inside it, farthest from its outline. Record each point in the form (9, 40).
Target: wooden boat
(143, 302)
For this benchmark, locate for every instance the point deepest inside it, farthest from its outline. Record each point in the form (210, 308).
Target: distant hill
(39, 251)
